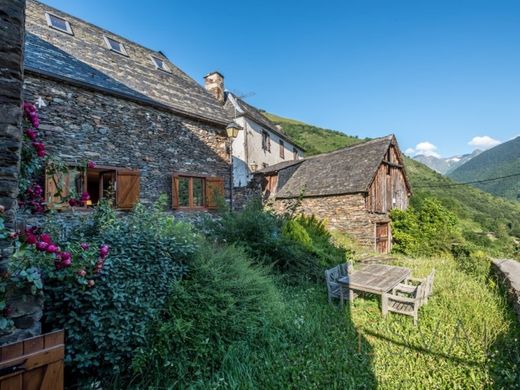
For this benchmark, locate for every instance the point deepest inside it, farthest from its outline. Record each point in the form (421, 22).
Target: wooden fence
(33, 364)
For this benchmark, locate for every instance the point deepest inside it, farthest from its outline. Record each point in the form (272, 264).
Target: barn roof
(345, 171)
(83, 57)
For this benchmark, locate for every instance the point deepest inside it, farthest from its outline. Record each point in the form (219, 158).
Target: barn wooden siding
(388, 189)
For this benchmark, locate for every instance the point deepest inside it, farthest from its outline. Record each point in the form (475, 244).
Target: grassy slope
(479, 212)
(314, 140)
(500, 161)
(465, 339)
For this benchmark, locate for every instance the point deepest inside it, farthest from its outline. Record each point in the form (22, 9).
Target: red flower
(85, 196)
(31, 134)
(46, 238)
(41, 246)
(104, 250)
(52, 248)
(65, 256)
(28, 108)
(30, 238)
(40, 148)
(91, 164)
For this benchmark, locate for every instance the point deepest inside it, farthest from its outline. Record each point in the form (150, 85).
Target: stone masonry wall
(12, 22)
(508, 272)
(25, 309)
(344, 213)
(78, 124)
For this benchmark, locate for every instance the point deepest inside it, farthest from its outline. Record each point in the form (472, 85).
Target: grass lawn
(467, 337)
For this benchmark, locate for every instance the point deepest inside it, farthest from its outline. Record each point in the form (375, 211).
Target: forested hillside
(502, 160)
(488, 221)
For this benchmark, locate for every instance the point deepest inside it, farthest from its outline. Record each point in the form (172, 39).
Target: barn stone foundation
(343, 213)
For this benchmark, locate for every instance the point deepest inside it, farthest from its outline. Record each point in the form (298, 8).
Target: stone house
(260, 143)
(353, 189)
(149, 128)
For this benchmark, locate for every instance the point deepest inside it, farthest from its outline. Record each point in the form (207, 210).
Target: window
(121, 186)
(282, 150)
(58, 23)
(116, 46)
(196, 192)
(266, 141)
(160, 64)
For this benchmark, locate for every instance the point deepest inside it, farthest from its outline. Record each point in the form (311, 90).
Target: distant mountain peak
(445, 165)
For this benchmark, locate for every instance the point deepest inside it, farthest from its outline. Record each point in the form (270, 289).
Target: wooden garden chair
(331, 278)
(409, 287)
(407, 305)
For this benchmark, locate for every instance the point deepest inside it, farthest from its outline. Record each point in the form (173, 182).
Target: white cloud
(425, 148)
(484, 142)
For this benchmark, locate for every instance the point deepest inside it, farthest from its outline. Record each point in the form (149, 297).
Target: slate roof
(345, 171)
(85, 58)
(256, 115)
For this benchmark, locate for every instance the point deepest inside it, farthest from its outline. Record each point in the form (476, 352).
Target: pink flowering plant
(74, 262)
(36, 163)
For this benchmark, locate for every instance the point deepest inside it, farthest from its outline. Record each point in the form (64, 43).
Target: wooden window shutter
(65, 181)
(175, 192)
(128, 189)
(214, 190)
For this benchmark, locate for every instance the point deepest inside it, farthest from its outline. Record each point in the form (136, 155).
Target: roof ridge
(374, 140)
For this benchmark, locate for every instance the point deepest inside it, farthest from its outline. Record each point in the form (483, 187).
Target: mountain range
(496, 170)
(448, 164)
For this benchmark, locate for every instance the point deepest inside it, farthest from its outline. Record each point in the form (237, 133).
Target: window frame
(282, 149)
(100, 169)
(207, 180)
(266, 141)
(165, 67)
(123, 51)
(68, 29)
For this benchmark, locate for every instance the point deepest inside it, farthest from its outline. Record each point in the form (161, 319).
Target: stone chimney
(214, 84)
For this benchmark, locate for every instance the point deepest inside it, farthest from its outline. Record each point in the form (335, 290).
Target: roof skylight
(116, 46)
(58, 23)
(160, 64)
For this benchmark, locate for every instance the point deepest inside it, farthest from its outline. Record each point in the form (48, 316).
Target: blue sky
(436, 73)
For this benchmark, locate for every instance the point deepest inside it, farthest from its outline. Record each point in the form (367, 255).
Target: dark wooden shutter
(214, 191)
(128, 189)
(175, 192)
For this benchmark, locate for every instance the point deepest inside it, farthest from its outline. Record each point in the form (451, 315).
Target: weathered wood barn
(149, 128)
(353, 189)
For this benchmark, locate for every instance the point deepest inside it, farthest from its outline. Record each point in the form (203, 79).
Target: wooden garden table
(373, 278)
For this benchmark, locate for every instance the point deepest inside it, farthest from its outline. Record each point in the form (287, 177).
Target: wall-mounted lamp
(232, 130)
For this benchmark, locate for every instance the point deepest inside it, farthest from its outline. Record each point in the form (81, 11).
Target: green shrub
(426, 229)
(260, 233)
(472, 261)
(294, 231)
(106, 322)
(224, 300)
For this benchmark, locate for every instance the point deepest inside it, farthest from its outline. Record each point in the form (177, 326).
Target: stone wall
(78, 124)
(508, 272)
(12, 22)
(25, 309)
(344, 213)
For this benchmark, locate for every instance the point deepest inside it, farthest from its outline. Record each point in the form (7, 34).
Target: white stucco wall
(243, 159)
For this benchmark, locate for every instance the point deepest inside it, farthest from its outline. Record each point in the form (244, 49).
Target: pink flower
(104, 250)
(31, 134)
(84, 246)
(91, 164)
(82, 272)
(66, 262)
(41, 246)
(85, 196)
(52, 248)
(13, 235)
(91, 283)
(28, 108)
(30, 238)
(46, 238)
(40, 148)
(66, 256)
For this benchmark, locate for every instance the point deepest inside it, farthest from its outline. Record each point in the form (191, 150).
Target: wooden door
(383, 237)
(33, 364)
